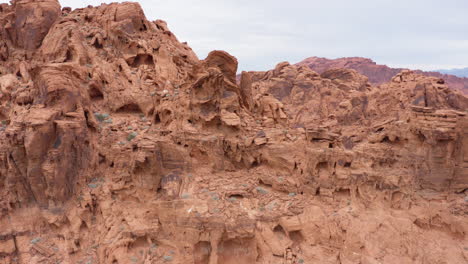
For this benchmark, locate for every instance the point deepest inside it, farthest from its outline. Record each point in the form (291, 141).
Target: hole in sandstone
(202, 253)
(141, 59)
(97, 45)
(102, 158)
(296, 237)
(255, 164)
(157, 119)
(397, 196)
(95, 94)
(165, 117)
(347, 164)
(279, 232)
(130, 109)
(330, 145)
(322, 170)
(386, 139)
(342, 193)
(237, 251)
(69, 56)
(112, 165)
(322, 165)
(264, 184)
(141, 242)
(83, 226)
(88, 123)
(279, 229)
(143, 27)
(236, 196)
(317, 192)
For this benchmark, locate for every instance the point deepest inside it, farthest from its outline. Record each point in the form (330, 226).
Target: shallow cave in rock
(95, 94)
(129, 109)
(141, 59)
(202, 252)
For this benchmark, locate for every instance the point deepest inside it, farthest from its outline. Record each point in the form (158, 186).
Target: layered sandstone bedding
(118, 145)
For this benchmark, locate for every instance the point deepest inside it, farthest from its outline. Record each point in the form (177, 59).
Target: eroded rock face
(118, 145)
(27, 22)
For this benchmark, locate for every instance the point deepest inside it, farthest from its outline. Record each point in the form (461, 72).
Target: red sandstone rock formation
(377, 74)
(118, 145)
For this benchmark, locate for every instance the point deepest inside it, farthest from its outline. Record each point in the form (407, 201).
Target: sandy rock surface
(119, 145)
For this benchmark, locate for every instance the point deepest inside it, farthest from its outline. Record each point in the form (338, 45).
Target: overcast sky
(425, 34)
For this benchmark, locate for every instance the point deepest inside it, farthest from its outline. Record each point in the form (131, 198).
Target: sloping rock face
(378, 74)
(392, 154)
(118, 145)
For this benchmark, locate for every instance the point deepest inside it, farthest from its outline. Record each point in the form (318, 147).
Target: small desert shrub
(167, 258)
(261, 190)
(36, 240)
(101, 117)
(132, 136)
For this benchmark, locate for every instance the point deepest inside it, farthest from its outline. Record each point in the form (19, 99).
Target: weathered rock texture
(118, 145)
(378, 74)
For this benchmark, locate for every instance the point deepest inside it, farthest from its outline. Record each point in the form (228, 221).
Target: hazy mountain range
(377, 73)
(457, 72)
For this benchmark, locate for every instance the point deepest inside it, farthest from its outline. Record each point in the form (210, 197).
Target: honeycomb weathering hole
(96, 94)
(234, 251)
(202, 253)
(141, 59)
(130, 108)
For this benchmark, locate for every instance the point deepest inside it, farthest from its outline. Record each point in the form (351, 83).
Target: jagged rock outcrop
(378, 74)
(118, 145)
(27, 22)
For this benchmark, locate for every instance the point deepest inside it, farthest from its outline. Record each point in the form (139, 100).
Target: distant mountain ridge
(377, 74)
(463, 73)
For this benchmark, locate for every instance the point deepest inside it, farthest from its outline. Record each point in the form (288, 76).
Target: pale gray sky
(425, 34)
